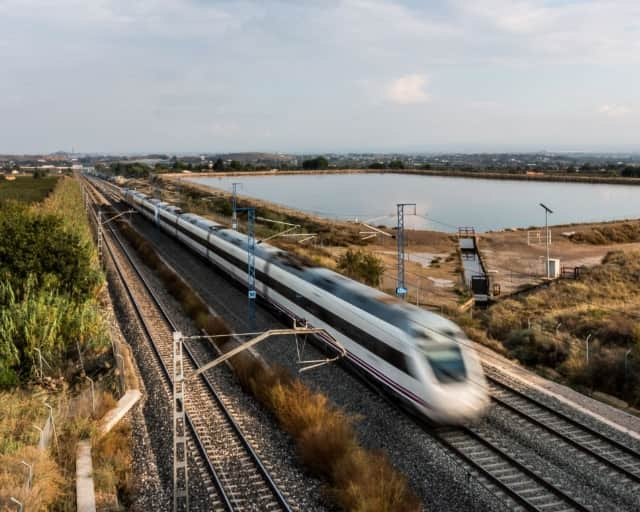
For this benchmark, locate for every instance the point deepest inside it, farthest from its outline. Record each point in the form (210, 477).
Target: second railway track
(603, 452)
(240, 480)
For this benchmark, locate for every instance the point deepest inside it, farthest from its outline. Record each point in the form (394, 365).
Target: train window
(420, 335)
(447, 363)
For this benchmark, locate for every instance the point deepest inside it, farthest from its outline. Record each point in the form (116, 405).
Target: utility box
(554, 268)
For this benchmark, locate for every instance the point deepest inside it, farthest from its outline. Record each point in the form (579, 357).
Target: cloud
(585, 31)
(611, 110)
(407, 90)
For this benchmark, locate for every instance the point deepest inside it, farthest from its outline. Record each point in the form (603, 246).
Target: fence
(571, 272)
(537, 237)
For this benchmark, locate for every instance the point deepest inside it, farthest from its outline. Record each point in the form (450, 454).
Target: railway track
(567, 434)
(239, 480)
(513, 480)
(503, 474)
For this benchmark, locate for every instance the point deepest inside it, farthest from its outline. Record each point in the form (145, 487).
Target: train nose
(462, 406)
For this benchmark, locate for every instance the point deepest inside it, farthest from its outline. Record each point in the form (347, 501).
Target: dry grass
(548, 326)
(21, 410)
(328, 445)
(47, 484)
(604, 235)
(112, 463)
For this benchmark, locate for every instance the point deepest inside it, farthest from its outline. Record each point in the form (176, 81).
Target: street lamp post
(547, 211)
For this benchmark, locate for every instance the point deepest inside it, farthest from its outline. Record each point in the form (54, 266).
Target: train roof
(199, 221)
(163, 205)
(386, 307)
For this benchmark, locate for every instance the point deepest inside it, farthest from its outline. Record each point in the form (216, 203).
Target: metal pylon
(251, 263)
(99, 230)
(401, 290)
(234, 204)
(180, 470)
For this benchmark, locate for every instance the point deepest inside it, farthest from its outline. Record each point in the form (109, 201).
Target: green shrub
(49, 279)
(362, 266)
(534, 347)
(39, 246)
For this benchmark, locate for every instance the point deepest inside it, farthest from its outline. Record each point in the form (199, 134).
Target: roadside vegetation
(51, 293)
(549, 328)
(327, 444)
(361, 266)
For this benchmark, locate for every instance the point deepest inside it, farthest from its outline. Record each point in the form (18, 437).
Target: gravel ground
(566, 466)
(621, 422)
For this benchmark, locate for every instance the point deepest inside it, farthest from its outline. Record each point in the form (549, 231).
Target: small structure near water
(475, 275)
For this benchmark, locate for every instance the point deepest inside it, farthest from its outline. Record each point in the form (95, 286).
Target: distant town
(605, 164)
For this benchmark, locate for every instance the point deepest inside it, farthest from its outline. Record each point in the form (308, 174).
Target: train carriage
(419, 356)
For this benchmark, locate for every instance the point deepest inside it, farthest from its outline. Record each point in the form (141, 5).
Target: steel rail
(564, 437)
(280, 498)
(495, 480)
(147, 330)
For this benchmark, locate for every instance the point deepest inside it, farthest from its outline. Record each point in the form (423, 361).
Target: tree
(377, 165)
(396, 164)
(319, 162)
(218, 165)
(235, 165)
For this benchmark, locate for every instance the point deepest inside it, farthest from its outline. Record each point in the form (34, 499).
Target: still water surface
(443, 203)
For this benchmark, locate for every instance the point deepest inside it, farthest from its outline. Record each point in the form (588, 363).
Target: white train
(419, 356)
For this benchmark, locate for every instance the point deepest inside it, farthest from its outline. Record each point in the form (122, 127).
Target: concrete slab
(111, 419)
(85, 493)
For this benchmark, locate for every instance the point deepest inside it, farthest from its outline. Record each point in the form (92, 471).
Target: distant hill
(256, 157)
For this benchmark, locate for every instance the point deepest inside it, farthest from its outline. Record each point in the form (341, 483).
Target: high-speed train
(419, 356)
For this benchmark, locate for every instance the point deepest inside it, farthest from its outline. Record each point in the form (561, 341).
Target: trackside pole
(401, 289)
(180, 470)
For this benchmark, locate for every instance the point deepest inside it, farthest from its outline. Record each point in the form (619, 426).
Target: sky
(308, 76)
